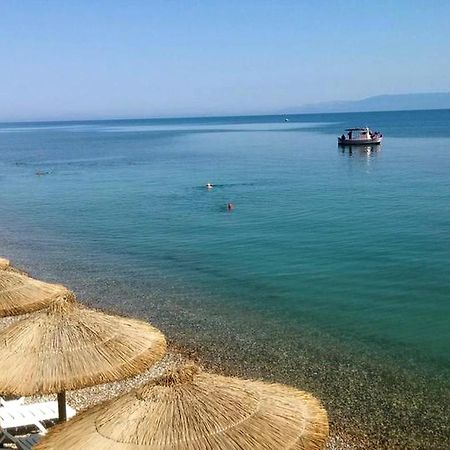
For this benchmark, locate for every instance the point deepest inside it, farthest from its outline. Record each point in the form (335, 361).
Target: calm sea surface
(331, 273)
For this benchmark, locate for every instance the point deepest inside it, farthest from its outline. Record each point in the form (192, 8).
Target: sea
(330, 273)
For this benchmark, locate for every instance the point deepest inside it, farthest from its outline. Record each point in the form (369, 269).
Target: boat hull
(375, 141)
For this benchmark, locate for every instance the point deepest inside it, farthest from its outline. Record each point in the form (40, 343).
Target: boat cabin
(358, 133)
(360, 136)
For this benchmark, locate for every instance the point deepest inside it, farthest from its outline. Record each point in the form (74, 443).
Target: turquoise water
(332, 271)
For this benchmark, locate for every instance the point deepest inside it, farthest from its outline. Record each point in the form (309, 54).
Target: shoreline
(353, 395)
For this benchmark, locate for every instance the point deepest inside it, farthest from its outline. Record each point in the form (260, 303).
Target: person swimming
(209, 186)
(230, 206)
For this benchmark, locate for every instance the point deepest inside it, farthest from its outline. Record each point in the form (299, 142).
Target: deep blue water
(345, 253)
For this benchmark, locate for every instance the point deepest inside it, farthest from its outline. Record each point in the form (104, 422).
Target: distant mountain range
(436, 100)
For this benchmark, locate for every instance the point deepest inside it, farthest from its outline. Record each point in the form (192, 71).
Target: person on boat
(350, 134)
(343, 137)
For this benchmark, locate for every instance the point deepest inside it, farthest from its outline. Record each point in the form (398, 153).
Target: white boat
(360, 136)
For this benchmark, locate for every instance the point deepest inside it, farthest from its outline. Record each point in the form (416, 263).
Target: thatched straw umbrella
(190, 409)
(4, 263)
(21, 294)
(69, 346)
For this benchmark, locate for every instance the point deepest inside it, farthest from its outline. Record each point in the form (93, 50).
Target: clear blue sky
(150, 58)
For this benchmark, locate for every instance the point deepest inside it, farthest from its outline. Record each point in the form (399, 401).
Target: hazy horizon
(225, 116)
(97, 61)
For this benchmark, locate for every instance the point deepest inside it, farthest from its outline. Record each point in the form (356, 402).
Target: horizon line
(223, 116)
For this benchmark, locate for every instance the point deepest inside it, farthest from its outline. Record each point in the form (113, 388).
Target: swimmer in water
(209, 186)
(230, 206)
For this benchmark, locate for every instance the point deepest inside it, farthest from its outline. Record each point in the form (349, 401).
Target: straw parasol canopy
(5, 264)
(69, 346)
(191, 409)
(21, 294)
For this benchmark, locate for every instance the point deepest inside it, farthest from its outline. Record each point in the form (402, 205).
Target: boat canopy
(357, 129)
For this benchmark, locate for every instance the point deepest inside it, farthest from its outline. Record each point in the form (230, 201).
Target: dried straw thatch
(21, 294)
(190, 409)
(5, 264)
(68, 346)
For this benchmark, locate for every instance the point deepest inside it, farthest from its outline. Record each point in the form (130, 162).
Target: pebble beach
(85, 398)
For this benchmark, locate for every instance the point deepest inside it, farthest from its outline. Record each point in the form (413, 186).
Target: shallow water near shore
(331, 273)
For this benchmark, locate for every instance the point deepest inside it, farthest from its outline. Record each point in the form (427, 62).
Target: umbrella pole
(62, 415)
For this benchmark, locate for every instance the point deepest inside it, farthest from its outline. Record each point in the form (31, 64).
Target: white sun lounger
(16, 416)
(16, 401)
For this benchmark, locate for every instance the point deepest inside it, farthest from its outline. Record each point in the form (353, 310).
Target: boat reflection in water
(359, 150)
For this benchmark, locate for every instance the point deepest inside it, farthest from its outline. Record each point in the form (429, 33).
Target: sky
(92, 59)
